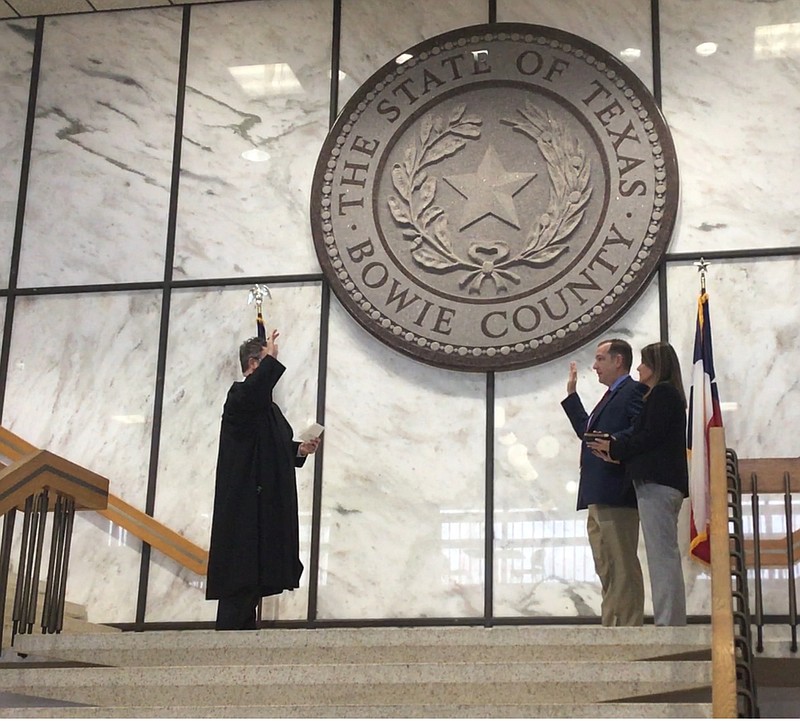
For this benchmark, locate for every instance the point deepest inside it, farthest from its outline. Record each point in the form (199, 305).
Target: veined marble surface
(206, 328)
(623, 29)
(734, 110)
(16, 56)
(102, 149)
(83, 388)
(258, 83)
(404, 452)
(543, 562)
(754, 320)
(404, 472)
(370, 39)
(754, 317)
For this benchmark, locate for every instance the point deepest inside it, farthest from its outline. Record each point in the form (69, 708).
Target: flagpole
(703, 414)
(257, 294)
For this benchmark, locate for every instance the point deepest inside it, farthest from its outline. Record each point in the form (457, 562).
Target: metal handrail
(747, 703)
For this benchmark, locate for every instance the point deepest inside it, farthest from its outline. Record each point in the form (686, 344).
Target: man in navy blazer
(613, 520)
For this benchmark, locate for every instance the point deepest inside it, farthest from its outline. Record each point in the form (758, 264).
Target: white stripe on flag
(702, 412)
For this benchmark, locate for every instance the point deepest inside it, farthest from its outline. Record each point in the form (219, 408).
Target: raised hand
(272, 344)
(572, 379)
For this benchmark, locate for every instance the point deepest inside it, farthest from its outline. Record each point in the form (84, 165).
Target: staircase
(75, 620)
(524, 671)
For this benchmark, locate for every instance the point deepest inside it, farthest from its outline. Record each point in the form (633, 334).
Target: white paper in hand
(313, 431)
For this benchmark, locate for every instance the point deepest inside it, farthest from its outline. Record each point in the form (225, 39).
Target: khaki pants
(614, 538)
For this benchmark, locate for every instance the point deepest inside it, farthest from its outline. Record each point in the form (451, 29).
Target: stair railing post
(69, 518)
(33, 600)
(787, 504)
(50, 586)
(19, 595)
(5, 563)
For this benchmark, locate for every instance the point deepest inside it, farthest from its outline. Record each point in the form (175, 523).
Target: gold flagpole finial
(702, 268)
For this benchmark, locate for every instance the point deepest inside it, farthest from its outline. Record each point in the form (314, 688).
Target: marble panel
(101, 161)
(16, 57)
(403, 495)
(257, 107)
(623, 29)
(543, 562)
(369, 39)
(752, 300)
(80, 383)
(206, 328)
(754, 312)
(731, 94)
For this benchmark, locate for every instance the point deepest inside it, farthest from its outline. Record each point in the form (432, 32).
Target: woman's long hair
(662, 359)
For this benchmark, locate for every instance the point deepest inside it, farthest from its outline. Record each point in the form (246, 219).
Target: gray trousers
(659, 507)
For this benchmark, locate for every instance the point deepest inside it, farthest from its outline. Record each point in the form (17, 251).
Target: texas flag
(704, 413)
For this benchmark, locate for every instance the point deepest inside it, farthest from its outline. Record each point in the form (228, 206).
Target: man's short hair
(251, 348)
(617, 346)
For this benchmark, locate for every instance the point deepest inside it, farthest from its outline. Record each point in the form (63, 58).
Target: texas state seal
(497, 199)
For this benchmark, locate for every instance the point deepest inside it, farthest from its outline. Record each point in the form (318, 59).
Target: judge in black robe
(254, 548)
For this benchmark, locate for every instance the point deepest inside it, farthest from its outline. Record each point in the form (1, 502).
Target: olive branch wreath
(425, 224)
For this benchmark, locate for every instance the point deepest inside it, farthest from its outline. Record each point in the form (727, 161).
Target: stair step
(409, 672)
(373, 684)
(423, 710)
(285, 646)
(372, 654)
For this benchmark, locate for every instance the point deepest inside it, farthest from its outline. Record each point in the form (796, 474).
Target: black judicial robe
(254, 531)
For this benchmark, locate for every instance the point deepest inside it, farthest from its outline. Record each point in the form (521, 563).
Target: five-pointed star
(489, 191)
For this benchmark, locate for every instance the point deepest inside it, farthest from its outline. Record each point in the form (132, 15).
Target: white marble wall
(100, 175)
(404, 459)
(16, 56)
(543, 563)
(754, 319)
(734, 115)
(258, 82)
(368, 42)
(206, 328)
(80, 383)
(623, 29)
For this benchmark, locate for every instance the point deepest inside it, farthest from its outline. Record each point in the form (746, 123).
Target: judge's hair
(622, 348)
(663, 361)
(251, 348)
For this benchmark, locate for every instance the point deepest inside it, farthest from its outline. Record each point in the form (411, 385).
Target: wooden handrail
(723, 664)
(33, 472)
(28, 469)
(771, 475)
(156, 534)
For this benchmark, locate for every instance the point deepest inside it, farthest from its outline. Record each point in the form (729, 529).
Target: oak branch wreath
(425, 225)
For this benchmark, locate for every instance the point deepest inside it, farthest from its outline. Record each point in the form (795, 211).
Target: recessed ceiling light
(706, 49)
(777, 41)
(260, 81)
(630, 54)
(256, 155)
(132, 419)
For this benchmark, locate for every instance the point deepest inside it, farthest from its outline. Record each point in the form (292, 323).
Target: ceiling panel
(27, 8)
(33, 8)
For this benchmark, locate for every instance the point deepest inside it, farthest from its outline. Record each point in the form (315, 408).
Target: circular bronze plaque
(495, 200)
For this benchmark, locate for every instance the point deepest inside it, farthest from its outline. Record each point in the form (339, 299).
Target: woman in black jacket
(654, 455)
